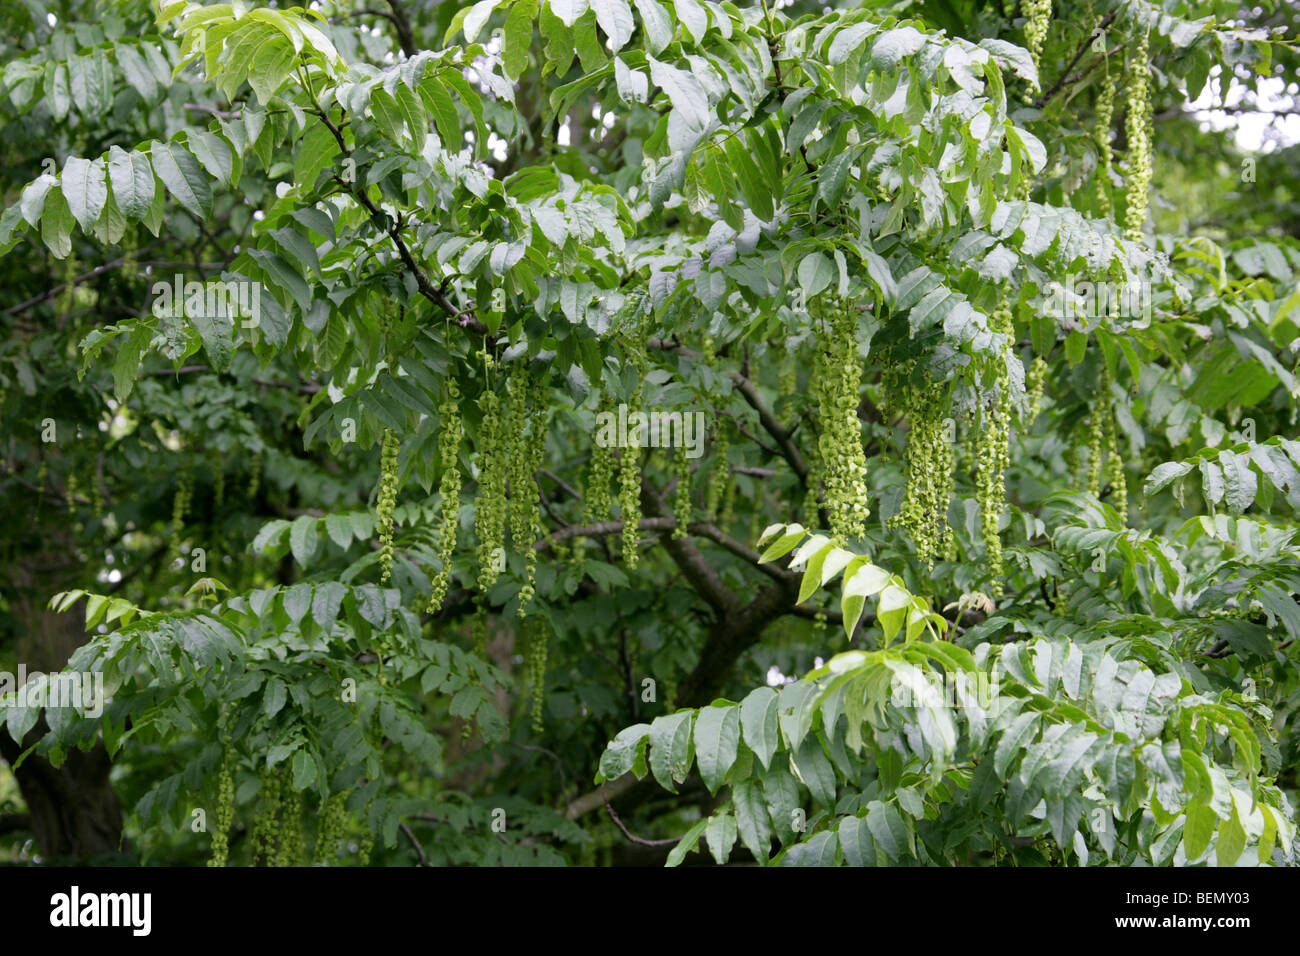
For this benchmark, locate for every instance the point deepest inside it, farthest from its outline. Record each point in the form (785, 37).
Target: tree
(432, 409)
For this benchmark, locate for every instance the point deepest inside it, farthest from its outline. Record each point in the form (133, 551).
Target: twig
(1100, 29)
(424, 860)
(628, 833)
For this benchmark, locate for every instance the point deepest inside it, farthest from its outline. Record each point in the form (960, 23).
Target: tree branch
(1097, 31)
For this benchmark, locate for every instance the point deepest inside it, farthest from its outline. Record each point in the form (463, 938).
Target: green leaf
(758, 720)
(855, 840)
(816, 272)
(387, 115)
(815, 770)
(443, 109)
(670, 748)
(888, 828)
(693, 17)
(656, 23)
(181, 173)
(568, 10)
(717, 738)
(891, 610)
(689, 843)
(751, 819)
(85, 188)
(785, 544)
(720, 835)
(304, 770)
(848, 41)
(861, 580)
(1232, 840)
(126, 367)
(271, 63)
(132, 180)
(684, 92)
(56, 224)
(1198, 828)
(1240, 483)
(412, 114)
(624, 753)
(214, 153)
(303, 539)
(136, 71)
(1014, 741)
(1164, 474)
(518, 37)
(615, 18)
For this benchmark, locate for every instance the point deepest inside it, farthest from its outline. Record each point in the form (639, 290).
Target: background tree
(983, 325)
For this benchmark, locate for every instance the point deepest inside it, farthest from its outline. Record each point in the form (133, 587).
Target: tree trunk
(74, 812)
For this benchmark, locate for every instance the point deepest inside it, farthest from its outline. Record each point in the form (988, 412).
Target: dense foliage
(418, 415)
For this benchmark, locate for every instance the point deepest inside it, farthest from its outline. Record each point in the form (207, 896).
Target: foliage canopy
(316, 316)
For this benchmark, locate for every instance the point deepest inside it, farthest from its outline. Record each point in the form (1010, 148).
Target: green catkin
(1096, 445)
(366, 845)
(449, 491)
(129, 249)
(1137, 126)
(1078, 463)
(70, 493)
(290, 851)
(1038, 14)
(69, 294)
(516, 452)
(479, 629)
(490, 507)
(993, 458)
(385, 502)
(668, 694)
(525, 501)
(727, 513)
(719, 473)
(844, 468)
(629, 490)
(929, 464)
(535, 665)
(788, 383)
(333, 819)
(1102, 443)
(600, 472)
(263, 832)
(1105, 117)
(1115, 471)
(1035, 381)
(254, 476)
(180, 508)
(813, 486)
(225, 810)
(682, 509)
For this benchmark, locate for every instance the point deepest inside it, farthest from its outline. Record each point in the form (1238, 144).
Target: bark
(73, 811)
